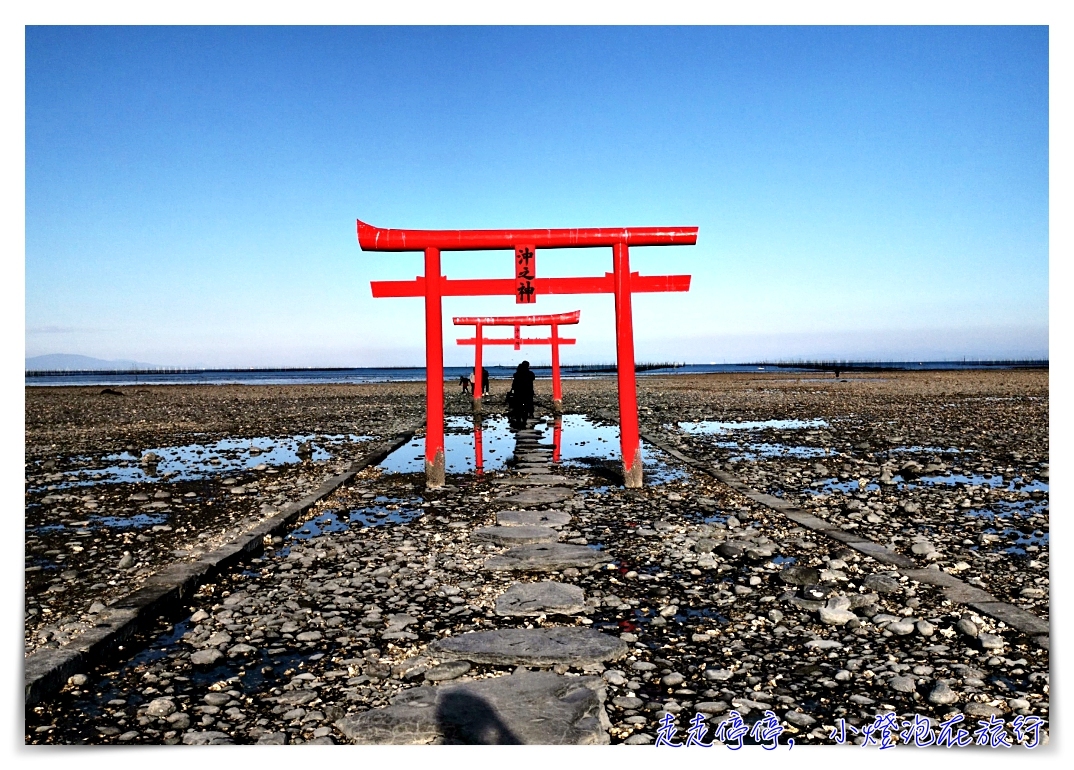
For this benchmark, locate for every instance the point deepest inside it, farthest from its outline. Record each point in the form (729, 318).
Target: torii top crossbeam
(549, 319)
(526, 287)
(554, 320)
(386, 239)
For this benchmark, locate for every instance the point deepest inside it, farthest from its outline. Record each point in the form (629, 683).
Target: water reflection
(198, 461)
(479, 461)
(463, 447)
(710, 426)
(477, 444)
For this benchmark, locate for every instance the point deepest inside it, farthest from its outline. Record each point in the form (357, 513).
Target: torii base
(632, 479)
(557, 406)
(434, 471)
(477, 406)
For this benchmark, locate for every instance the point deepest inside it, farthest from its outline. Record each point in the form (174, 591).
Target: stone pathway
(525, 707)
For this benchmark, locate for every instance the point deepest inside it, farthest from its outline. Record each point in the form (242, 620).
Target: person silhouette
(486, 380)
(522, 386)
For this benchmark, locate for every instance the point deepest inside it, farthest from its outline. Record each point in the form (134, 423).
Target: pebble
(942, 694)
(160, 707)
(718, 674)
(836, 617)
(966, 627)
(901, 627)
(882, 584)
(982, 710)
(799, 719)
(206, 658)
(452, 669)
(903, 684)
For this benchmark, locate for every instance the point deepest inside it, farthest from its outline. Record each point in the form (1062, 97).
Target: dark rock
(533, 518)
(800, 576)
(517, 535)
(546, 557)
(538, 598)
(881, 584)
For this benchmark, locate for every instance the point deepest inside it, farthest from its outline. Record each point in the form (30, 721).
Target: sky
(860, 192)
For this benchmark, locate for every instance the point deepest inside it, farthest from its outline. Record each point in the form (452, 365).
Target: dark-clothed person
(522, 387)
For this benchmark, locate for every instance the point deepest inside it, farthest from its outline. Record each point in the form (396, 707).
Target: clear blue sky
(877, 192)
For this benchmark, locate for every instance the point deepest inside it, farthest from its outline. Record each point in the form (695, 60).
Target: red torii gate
(555, 320)
(525, 287)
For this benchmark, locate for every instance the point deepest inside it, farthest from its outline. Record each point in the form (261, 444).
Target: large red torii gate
(525, 287)
(554, 320)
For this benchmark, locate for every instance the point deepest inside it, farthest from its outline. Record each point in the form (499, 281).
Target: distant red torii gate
(525, 287)
(554, 320)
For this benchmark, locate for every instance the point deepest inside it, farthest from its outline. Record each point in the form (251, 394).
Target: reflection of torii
(479, 444)
(620, 282)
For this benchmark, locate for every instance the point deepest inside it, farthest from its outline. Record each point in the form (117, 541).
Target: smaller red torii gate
(554, 320)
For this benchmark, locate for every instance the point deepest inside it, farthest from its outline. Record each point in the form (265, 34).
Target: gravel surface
(723, 603)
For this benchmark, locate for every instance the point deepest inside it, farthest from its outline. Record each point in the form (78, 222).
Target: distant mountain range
(71, 362)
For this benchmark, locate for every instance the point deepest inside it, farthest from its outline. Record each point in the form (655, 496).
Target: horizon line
(842, 364)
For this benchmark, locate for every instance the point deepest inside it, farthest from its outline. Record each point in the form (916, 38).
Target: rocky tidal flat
(399, 614)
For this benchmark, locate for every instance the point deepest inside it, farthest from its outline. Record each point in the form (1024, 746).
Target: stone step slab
(546, 597)
(574, 645)
(520, 535)
(548, 480)
(528, 707)
(533, 518)
(537, 496)
(545, 557)
(532, 458)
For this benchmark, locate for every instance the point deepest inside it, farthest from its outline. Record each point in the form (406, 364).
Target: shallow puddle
(756, 451)
(497, 442)
(708, 427)
(1014, 541)
(137, 521)
(387, 510)
(926, 450)
(198, 461)
(831, 486)
(1017, 484)
(581, 443)
(1003, 509)
(582, 438)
